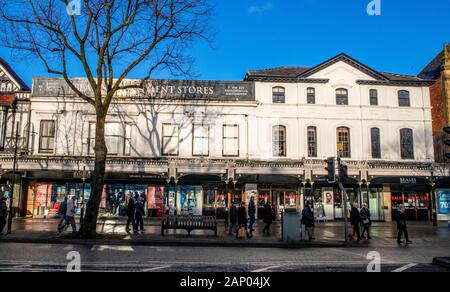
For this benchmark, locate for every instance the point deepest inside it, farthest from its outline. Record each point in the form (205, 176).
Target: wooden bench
(189, 223)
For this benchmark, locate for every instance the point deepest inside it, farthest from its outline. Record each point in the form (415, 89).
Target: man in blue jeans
(251, 214)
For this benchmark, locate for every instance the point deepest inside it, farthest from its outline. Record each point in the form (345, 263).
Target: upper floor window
(373, 97)
(375, 142)
(170, 139)
(343, 141)
(403, 98)
(230, 141)
(47, 136)
(311, 95)
(407, 143)
(342, 96)
(279, 141)
(278, 94)
(312, 142)
(200, 140)
(117, 138)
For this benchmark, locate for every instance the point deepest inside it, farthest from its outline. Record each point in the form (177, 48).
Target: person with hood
(3, 214)
(242, 220)
(365, 221)
(251, 214)
(62, 213)
(233, 219)
(308, 220)
(401, 226)
(267, 218)
(355, 221)
(130, 213)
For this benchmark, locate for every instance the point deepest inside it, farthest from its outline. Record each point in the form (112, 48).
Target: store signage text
(404, 180)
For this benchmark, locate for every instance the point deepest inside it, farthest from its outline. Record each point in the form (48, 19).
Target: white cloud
(260, 8)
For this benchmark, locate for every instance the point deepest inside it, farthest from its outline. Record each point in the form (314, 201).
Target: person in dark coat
(3, 214)
(267, 218)
(355, 221)
(251, 214)
(139, 213)
(365, 221)
(233, 219)
(308, 220)
(131, 209)
(62, 213)
(242, 219)
(401, 226)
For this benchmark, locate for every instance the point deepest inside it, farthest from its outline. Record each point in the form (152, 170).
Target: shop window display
(155, 201)
(191, 199)
(116, 194)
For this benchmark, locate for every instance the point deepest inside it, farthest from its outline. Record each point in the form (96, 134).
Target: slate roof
(433, 70)
(22, 84)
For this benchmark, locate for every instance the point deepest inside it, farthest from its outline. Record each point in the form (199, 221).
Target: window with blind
(312, 142)
(279, 94)
(200, 140)
(47, 137)
(230, 141)
(342, 96)
(373, 97)
(170, 139)
(117, 138)
(311, 95)
(279, 141)
(407, 143)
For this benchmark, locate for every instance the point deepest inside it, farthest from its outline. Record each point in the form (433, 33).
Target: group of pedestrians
(360, 219)
(136, 213)
(242, 225)
(67, 211)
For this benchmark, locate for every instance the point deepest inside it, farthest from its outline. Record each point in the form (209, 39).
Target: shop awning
(402, 183)
(200, 179)
(442, 182)
(269, 179)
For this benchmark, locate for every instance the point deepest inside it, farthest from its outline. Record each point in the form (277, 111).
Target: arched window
(343, 141)
(403, 98)
(279, 141)
(312, 142)
(407, 143)
(278, 94)
(375, 142)
(342, 96)
(373, 97)
(311, 95)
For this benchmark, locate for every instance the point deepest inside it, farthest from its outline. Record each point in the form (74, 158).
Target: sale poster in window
(43, 195)
(444, 201)
(156, 199)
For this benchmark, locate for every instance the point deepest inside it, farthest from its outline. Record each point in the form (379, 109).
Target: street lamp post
(16, 132)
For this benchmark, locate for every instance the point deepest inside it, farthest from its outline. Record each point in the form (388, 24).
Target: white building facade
(198, 146)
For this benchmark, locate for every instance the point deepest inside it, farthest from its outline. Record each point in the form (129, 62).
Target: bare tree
(107, 39)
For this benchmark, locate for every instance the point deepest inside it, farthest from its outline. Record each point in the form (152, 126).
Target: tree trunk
(89, 226)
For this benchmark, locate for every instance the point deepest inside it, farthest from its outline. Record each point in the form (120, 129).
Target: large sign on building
(153, 89)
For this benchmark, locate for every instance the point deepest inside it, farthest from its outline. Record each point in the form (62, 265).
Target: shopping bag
(351, 231)
(242, 233)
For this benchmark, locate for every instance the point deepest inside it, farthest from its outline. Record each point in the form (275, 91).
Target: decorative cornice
(418, 83)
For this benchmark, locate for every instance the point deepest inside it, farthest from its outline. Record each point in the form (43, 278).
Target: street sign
(443, 201)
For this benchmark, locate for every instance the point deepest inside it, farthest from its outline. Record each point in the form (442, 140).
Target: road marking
(265, 269)
(111, 247)
(404, 268)
(156, 268)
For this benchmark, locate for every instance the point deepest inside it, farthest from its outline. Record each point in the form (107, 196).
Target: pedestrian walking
(366, 222)
(308, 220)
(233, 219)
(70, 215)
(3, 214)
(62, 213)
(131, 209)
(251, 214)
(242, 221)
(139, 214)
(401, 226)
(355, 221)
(267, 218)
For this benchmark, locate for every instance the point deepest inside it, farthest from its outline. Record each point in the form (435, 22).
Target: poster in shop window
(156, 200)
(43, 195)
(444, 202)
(251, 190)
(191, 201)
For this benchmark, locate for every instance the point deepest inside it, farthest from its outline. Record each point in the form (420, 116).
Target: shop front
(414, 193)
(442, 195)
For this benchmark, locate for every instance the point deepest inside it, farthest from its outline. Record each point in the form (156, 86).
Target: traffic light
(447, 142)
(331, 176)
(343, 172)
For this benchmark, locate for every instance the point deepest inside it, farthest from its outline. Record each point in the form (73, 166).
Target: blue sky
(257, 34)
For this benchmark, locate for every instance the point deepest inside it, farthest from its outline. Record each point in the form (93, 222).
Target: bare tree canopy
(107, 39)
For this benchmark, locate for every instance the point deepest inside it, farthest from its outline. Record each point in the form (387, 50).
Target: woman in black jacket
(242, 219)
(308, 220)
(267, 218)
(355, 220)
(401, 226)
(365, 221)
(130, 213)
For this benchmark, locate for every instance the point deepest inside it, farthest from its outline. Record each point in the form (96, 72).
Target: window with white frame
(170, 139)
(342, 96)
(230, 141)
(311, 95)
(200, 140)
(117, 138)
(279, 141)
(278, 94)
(47, 136)
(403, 98)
